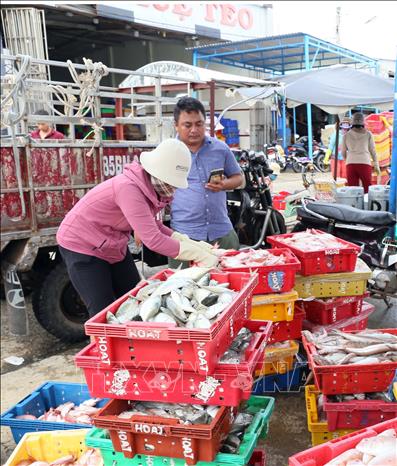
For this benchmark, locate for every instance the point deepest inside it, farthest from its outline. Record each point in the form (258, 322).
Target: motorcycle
(275, 153)
(300, 155)
(368, 229)
(250, 209)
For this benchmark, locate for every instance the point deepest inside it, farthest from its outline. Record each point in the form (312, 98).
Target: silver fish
(186, 305)
(173, 307)
(219, 289)
(192, 273)
(128, 310)
(150, 307)
(210, 300)
(162, 317)
(111, 318)
(200, 294)
(147, 290)
(187, 291)
(173, 283)
(204, 280)
(202, 322)
(226, 297)
(214, 310)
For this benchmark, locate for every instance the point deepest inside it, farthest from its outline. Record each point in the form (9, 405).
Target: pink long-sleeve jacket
(100, 223)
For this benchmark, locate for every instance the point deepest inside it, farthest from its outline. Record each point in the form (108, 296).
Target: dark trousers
(357, 172)
(98, 282)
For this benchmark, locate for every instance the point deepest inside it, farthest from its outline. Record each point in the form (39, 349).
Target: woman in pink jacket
(93, 237)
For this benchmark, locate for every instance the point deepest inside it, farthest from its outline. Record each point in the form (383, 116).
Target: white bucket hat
(170, 162)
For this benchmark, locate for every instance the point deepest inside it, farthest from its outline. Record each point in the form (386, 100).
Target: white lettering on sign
(349, 300)
(202, 357)
(231, 327)
(334, 314)
(119, 382)
(233, 21)
(290, 309)
(124, 443)
(113, 164)
(187, 448)
(144, 334)
(331, 252)
(342, 287)
(103, 350)
(147, 429)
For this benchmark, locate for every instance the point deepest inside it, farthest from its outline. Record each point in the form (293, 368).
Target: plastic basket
(286, 330)
(322, 454)
(272, 278)
(278, 360)
(290, 381)
(260, 406)
(49, 395)
(357, 414)
(275, 307)
(359, 322)
(351, 378)
(327, 260)
(134, 436)
(328, 311)
(335, 284)
(48, 446)
(198, 350)
(229, 384)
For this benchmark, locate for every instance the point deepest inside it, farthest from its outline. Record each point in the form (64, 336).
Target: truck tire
(58, 307)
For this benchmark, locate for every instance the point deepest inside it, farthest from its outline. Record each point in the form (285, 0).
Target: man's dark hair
(188, 104)
(41, 112)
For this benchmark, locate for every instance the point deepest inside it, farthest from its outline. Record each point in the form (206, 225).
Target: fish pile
(232, 442)
(310, 240)
(251, 258)
(236, 352)
(189, 298)
(91, 457)
(379, 450)
(186, 413)
(365, 347)
(68, 412)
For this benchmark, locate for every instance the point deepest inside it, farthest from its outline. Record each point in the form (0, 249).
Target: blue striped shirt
(196, 211)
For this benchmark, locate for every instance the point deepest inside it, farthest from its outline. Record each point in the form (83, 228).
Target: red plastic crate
(359, 322)
(357, 414)
(322, 454)
(351, 378)
(328, 311)
(229, 384)
(272, 278)
(332, 260)
(161, 436)
(258, 458)
(285, 330)
(199, 350)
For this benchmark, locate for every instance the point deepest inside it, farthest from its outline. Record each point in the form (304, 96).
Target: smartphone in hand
(216, 175)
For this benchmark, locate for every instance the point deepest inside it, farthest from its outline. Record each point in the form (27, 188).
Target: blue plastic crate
(49, 395)
(287, 382)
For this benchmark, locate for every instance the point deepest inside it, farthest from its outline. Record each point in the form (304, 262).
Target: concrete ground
(45, 358)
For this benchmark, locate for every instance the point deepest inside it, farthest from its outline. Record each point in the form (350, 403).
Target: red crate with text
(133, 344)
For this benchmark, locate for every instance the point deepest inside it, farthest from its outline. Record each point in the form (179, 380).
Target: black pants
(98, 282)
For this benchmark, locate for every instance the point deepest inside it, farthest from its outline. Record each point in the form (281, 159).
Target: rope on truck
(13, 108)
(88, 82)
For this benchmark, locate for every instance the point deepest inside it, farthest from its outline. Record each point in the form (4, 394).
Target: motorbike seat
(348, 214)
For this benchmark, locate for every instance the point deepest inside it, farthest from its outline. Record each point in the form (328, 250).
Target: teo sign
(231, 21)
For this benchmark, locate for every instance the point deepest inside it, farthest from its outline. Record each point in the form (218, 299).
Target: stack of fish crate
(179, 389)
(274, 300)
(353, 373)
(332, 282)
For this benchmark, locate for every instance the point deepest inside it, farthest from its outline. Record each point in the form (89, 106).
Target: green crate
(260, 406)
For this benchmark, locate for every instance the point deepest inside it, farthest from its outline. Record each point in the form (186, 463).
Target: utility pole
(337, 27)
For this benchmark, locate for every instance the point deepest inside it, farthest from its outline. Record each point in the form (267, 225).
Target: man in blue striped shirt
(200, 211)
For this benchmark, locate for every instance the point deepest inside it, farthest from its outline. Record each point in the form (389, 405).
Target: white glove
(191, 251)
(182, 237)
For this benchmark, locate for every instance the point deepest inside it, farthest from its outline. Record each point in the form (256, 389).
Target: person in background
(330, 154)
(200, 211)
(358, 147)
(45, 130)
(94, 235)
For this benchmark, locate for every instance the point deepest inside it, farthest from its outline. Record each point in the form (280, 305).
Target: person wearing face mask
(200, 212)
(94, 235)
(358, 148)
(330, 154)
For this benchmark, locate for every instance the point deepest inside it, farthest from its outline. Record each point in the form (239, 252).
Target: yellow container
(276, 307)
(334, 284)
(49, 446)
(319, 429)
(279, 360)
(395, 390)
(328, 186)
